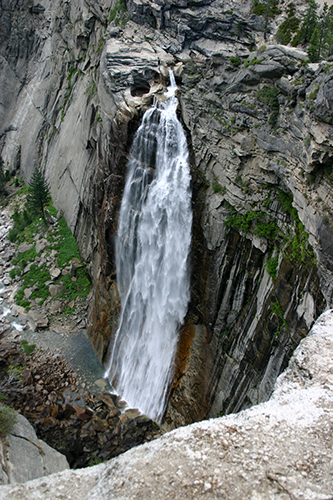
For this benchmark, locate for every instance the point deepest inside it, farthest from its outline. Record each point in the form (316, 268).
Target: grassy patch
(314, 92)
(74, 289)
(28, 348)
(66, 246)
(37, 277)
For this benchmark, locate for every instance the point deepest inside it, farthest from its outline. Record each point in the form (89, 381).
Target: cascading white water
(152, 253)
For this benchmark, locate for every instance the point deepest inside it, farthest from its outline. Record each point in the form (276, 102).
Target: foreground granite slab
(281, 449)
(24, 457)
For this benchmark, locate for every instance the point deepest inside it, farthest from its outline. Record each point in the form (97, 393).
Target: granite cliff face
(74, 87)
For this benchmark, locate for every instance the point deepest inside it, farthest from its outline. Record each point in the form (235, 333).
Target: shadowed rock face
(260, 141)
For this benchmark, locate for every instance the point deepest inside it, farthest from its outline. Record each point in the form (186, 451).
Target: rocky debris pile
(278, 450)
(24, 457)
(85, 428)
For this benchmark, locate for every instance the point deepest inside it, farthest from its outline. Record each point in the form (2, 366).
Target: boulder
(268, 69)
(55, 272)
(28, 292)
(27, 457)
(37, 320)
(24, 247)
(41, 245)
(56, 289)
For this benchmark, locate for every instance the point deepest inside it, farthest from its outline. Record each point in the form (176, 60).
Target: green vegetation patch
(119, 14)
(269, 9)
(66, 245)
(314, 92)
(235, 61)
(289, 26)
(21, 221)
(217, 188)
(7, 419)
(36, 276)
(268, 96)
(293, 241)
(253, 61)
(28, 348)
(33, 269)
(73, 289)
(257, 222)
(272, 265)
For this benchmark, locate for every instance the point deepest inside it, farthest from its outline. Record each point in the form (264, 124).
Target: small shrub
(28, 349)
(271, 266)
(235, 61)
(7, 419)
(313, 94)
(16, 370)
(268, 95)
(21, 221)
(307, 141)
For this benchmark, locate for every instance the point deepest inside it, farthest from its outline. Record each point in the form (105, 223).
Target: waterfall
(152, 253)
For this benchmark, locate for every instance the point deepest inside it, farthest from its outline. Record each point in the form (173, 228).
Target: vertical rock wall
(74, 87)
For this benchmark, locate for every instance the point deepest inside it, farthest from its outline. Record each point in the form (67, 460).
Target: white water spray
(152, 250)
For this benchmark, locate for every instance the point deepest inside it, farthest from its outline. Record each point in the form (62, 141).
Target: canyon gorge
(76, 79)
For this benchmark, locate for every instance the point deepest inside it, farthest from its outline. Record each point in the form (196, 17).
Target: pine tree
(326, 31)
(289, 26)
(314, 47)
(269, 9)
(308, 25)
(39, 194)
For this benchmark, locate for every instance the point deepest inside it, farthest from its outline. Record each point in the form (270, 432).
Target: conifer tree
(39, 194)
(308, 25)
(315, 44)
(289, 26)
(326, 32)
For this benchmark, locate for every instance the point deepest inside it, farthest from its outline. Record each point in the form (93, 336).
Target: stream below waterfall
(152, 259)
